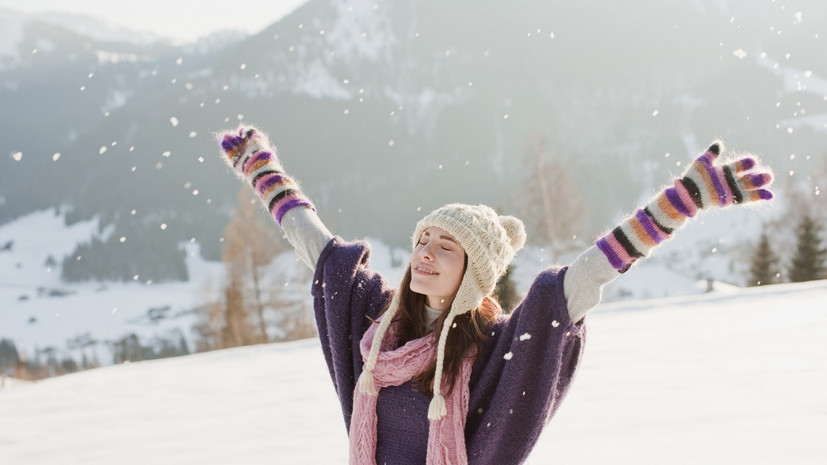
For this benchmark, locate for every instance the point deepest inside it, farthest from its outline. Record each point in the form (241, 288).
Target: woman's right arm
(253, 158)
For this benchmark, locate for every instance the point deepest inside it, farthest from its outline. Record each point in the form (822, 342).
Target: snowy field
(722, 378)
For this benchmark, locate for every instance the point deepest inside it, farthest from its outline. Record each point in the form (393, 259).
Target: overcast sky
(183, 20)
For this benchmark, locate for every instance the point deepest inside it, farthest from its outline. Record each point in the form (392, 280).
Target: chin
(419, 289)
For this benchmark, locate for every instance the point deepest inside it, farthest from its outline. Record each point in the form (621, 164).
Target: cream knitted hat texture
(490, 242)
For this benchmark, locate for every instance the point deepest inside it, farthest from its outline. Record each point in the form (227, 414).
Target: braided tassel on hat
(366, 381)
(437, 409)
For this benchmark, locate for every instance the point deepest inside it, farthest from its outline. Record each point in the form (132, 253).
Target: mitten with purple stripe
(253, 158)
(705, 184)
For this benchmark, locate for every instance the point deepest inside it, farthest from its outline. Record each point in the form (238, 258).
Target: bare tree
(251, 242)
(549, 201)
(259, 291)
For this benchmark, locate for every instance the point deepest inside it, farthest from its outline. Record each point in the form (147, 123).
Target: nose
(426, 253)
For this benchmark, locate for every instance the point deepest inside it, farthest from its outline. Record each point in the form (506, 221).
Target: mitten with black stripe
(705, 184)
(252, 157)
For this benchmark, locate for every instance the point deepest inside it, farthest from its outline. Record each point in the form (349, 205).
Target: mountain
(713, 379)
(385, 111)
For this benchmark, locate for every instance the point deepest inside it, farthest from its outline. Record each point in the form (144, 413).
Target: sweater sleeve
(523, 374)
(306, 233)
(347, 294)
(584, 282)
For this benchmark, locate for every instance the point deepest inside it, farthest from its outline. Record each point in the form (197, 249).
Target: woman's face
(437, 267)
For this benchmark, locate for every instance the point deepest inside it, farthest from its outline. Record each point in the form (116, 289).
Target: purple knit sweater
(516, 385)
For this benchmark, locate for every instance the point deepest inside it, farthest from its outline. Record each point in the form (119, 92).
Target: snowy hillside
(716, 379)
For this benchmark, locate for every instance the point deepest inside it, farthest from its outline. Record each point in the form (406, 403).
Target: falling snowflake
(525, 337)
(174, 121)
(508, 356)
(17, 156)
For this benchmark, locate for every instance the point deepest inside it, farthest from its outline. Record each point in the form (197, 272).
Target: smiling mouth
(425, 271)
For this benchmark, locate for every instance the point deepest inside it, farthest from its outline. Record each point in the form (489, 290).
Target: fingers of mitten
(716, 148)
(751, 184)
(744, 164)
(248, 147)
(763, 194)
(234, 145)
(753, 181)
(747, 187)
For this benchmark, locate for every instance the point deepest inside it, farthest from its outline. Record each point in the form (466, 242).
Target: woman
(434, 373)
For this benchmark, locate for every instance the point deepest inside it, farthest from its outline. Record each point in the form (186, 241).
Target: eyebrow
(449, 238)
(442, 236)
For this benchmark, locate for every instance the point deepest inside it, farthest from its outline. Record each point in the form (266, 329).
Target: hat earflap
(469, 296)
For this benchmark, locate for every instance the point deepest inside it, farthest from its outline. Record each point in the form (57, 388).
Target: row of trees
(81, 353)
(45, 362)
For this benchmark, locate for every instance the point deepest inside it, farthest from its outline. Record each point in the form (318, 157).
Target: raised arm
(253, 158)
(705, 184)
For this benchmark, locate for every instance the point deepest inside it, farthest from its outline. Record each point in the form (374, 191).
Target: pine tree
(9, 357)
(507, 291)
(808, 263)
(763, 267)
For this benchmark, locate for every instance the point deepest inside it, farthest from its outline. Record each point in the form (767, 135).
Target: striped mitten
(704, 184)
(253, 158)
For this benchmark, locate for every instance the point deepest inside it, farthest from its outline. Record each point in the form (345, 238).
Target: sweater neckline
(431, 316)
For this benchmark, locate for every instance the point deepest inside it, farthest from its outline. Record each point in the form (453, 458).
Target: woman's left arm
(707, 183)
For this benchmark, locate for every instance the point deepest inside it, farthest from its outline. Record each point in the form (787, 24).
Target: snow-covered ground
(38, 309)
(721, 378)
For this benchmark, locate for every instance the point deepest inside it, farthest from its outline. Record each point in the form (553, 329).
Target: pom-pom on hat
(490, 242)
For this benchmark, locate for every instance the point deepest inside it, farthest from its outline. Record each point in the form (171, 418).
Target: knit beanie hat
(490, 242)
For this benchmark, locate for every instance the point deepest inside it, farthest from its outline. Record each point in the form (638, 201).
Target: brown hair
(469, 331)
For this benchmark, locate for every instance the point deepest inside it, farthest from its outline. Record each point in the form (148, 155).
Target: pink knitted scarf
(446, 437)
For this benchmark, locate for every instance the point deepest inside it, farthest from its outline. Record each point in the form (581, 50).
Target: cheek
(457, 266)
